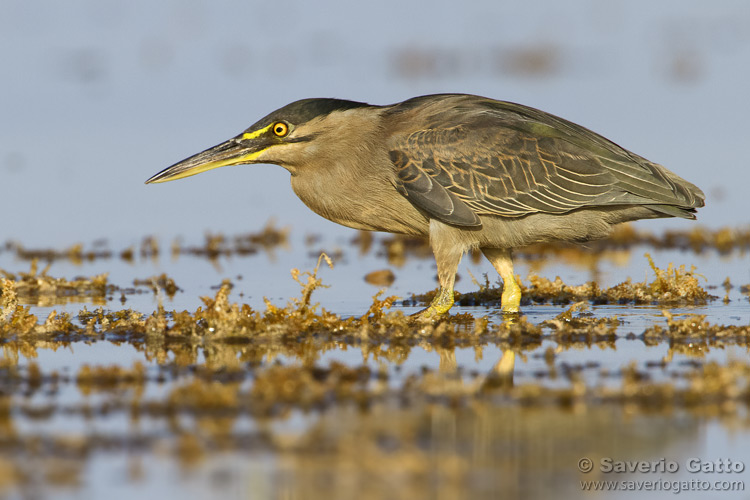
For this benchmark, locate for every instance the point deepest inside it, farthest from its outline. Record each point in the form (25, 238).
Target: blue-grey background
(96, 96)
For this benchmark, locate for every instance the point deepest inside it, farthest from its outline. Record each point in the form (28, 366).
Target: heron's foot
(511, 298)
(440, 305)
(428, 314)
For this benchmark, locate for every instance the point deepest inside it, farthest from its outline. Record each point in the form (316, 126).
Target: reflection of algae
(401, 444)
(480, 452)
(276, 389)
(109, 378)
(279, 387)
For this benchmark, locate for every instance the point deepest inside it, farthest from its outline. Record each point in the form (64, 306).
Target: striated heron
(466, 171)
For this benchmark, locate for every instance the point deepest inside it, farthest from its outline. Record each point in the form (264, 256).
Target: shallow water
(424, 418)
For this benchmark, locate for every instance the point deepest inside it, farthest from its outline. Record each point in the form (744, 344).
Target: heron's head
(286, 137)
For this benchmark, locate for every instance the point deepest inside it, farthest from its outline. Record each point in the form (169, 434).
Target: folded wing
(485, 157)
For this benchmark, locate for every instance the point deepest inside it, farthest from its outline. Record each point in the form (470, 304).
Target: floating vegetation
(75, 253)
(383, 277)
(693, 328)
(16, 321)
(303, 329)
(697, 240)
(397, 248)
(218, 245)
(159, 283)
(671, 287)
(583, 328)
(214, 246)
(36, 287)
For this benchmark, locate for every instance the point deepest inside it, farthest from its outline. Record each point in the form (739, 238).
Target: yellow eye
(280, 129)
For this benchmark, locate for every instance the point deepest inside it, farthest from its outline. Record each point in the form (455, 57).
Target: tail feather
(673, 211)
(687, 196)
(692, 195)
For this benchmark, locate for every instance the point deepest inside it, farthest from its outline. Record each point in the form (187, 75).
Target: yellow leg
(447, 257)
(502, 262)
(440, 305)
(443, 301)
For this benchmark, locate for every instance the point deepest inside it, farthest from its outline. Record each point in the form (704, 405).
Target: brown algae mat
(670, 287)
(303, 325)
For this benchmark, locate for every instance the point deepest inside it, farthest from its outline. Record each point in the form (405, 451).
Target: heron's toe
(430, 313)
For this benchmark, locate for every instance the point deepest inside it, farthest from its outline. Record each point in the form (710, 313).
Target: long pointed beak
(227, 153)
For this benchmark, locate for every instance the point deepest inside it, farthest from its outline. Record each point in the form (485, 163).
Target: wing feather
(424, 192)
(485, 157)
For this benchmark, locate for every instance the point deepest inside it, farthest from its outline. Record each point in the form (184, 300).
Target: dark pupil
(279, 129)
